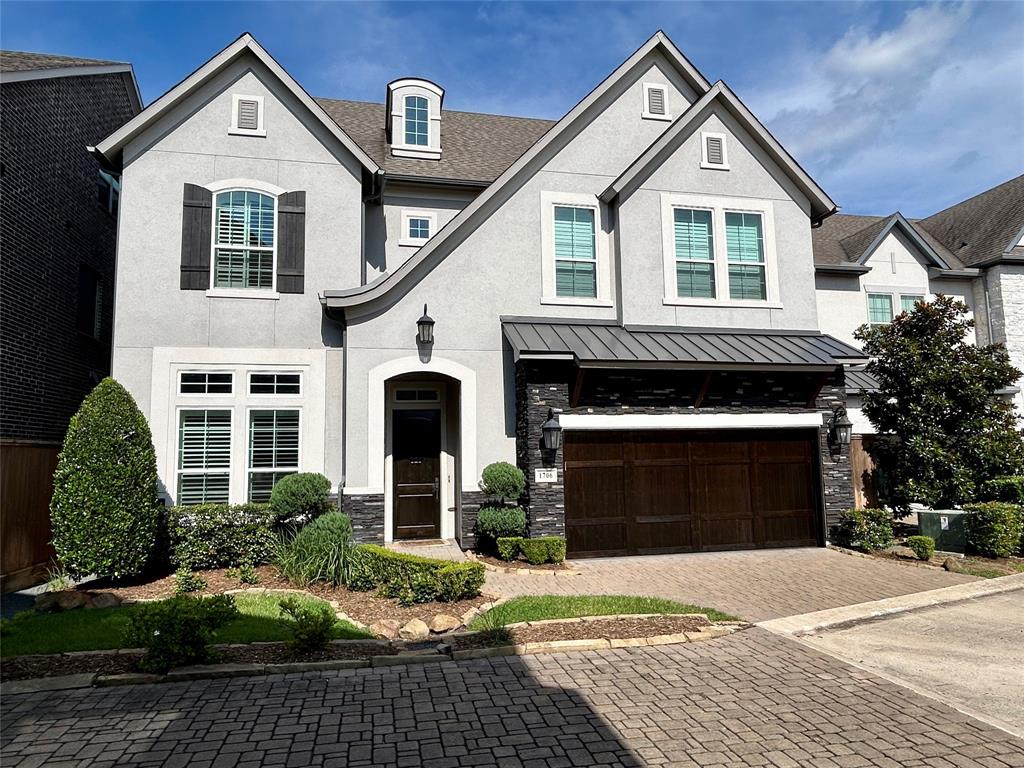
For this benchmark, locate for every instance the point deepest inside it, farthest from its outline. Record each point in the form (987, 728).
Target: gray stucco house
(396, 295)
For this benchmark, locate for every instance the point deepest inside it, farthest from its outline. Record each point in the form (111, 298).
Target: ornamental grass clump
(318, 552)
(105, 509)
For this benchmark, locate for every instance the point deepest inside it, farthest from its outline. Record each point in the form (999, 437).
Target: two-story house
(622, 302)
(58, 221)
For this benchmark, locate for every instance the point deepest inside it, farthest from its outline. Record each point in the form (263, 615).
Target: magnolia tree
(942, 432)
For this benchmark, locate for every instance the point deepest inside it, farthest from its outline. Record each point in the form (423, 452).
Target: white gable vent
(247, 115)
(656, 102)
(714, 153)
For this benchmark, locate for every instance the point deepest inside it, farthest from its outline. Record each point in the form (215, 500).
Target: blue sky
(888, 105)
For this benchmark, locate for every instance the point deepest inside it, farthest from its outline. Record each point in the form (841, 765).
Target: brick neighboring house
(58, 223)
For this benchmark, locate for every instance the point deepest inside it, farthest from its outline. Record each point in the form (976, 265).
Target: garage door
(673, 491)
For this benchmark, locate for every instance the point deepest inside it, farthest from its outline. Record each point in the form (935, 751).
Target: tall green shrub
(300, 495)
(503, 481)
(104, 510)
(993, 529)
(868, 529)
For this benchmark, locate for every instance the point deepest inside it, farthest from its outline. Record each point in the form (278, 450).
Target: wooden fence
(865, 487)
(26, 484)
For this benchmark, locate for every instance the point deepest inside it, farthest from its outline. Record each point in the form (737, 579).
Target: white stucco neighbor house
(624, 302)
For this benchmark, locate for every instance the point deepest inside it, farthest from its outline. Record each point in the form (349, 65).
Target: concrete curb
(850, 615)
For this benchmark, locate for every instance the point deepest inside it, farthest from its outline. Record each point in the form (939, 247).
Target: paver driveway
(749, 699)
(755, 585)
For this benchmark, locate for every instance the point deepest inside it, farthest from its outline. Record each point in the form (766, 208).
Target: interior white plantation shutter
(248, 114)
(715, 150)
(656, 101)
(204, 456)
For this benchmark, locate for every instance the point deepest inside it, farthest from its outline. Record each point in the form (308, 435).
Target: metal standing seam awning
(597, 344)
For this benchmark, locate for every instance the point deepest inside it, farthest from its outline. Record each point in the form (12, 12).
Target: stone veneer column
(540, 386)
(470, 502)
(367, 514)
(836, 469)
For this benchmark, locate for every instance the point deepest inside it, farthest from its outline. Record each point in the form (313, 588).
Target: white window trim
(403, 235)
(648, 87)
(432, 149)
(704, 163)
(719, 206)
(242, 293)
(548, 201)
(895, 294)
(177, 383)
(274, 406)
(234, 129)
(273, 371)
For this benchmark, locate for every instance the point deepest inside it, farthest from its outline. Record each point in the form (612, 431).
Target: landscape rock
(46, 602)
(415, 630)
(104, 600)
(950, 565)
(385, 628)
(443, 622)
(69, 600)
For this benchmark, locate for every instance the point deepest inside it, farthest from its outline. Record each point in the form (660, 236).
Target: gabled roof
(844, 242)
(477, 147)
(860, 245)
(688, 122)
(984, 228)
(112, 146)
(23, 66)
(479, 208)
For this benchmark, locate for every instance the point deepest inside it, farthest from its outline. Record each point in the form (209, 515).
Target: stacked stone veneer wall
(367, 514)
(471, 502)
(547, 385)
(1006, 313)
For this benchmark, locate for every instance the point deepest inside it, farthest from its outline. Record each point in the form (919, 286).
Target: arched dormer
(414, 118)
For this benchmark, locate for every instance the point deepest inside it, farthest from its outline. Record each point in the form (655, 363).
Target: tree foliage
(104, 508)
(942, 431)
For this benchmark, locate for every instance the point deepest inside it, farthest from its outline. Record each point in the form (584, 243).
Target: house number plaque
(545, 475)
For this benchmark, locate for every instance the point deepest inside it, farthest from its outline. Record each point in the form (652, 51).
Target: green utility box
(946, 526)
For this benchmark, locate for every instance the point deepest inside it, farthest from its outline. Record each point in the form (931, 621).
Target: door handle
(437, 486)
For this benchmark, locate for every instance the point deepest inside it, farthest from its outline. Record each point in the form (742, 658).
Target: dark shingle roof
(475, 147)
(22, 61)
(597, 342)
(982, 227)
(828, 239)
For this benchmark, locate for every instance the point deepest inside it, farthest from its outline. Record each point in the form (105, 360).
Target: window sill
(413, 243)
(422, 153)
(242, 293)
(713, 167)
(650, 116)
(571, 302)
(728, 304)
(245, 132)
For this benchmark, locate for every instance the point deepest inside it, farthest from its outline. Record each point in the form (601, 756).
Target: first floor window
(695, 253)
(204, 456)
(575, 252)
(744, 241)
(273, 450)
(243, 240)
(907, 301)
(879, 308)
(205, 383)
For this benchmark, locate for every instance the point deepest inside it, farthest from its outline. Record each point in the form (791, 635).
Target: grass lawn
(101, 628)
(989, 569)
(558, 607)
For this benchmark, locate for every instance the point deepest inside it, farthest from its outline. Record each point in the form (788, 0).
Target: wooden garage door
(674, 491)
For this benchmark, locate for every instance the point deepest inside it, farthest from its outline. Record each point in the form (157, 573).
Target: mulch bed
(26, 667)
(520, 563)
(364, 607)
(594, 629)
(279, 653)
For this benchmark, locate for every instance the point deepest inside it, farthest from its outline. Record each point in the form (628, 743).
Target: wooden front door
(665, 491)
(416, 466)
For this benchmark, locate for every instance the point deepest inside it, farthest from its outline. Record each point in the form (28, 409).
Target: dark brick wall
(471, 503)
(541, 385)
(50, 223)
(367, 514)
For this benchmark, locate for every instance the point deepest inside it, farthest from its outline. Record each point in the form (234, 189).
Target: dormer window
(247, 115)
(714, 153)
(656, 102)
(414, 118)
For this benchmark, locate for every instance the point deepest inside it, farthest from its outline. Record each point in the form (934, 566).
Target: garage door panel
(724, 491)
(784, 487)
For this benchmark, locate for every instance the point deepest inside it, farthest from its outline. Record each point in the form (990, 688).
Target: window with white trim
(244, 241)
(274, 383)
(575, 252)
(714, 151)
(273, 450)
(417, 121)
(744, 241)
(417, 227)
(880, 309)
(204, 456)
(205, 382)
(246, 115)
(909, 301)
(655, 102)
(694, 236)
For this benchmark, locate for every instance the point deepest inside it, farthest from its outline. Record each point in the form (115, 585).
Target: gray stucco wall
(1006, 307)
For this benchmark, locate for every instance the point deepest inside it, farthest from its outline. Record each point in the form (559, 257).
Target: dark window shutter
(291, 242)
(196, 233)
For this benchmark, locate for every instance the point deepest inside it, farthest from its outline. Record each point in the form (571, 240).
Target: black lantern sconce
(840, 428)
(551, 433)
(425, 328)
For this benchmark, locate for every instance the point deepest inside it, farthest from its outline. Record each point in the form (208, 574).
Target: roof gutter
(953, 274)
(842, 269)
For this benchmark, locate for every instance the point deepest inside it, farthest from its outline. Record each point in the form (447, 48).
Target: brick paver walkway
(750, 699)
(754, 585)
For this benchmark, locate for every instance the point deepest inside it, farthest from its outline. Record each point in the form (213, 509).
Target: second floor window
(744, 240)
(243, 242)
(417, 121)
(695, 253)
(575, 252)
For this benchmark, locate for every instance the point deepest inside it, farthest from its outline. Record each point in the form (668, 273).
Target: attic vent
(656, 102)
(248, 114)
(714, 154)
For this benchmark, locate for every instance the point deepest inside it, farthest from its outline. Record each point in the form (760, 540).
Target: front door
(416, 455)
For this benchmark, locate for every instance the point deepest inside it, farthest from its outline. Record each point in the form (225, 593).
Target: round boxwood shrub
(319, 551)
(501, 522)
(922, 546)
(104, 510)
(867, 529)
(303, 495)
(993, 529)
(502, 480)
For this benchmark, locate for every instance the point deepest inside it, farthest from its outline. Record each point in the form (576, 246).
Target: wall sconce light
(425, 328)
(551, 432)
(840, 428)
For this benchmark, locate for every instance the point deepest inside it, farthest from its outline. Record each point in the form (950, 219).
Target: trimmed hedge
(302, 495)
(543, 549)
(179, 630)
(104, 510)
(922, 546)
(413, 579)
(220, 535)
(319, 551)
(867, 529)
(1009, 489)
(501, 522)
(502, 480)
(535, 551)
(994, 528)
(508, 547)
